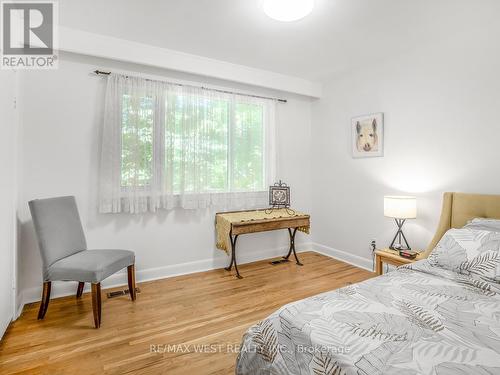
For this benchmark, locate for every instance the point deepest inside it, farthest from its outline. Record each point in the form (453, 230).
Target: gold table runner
(224, 221)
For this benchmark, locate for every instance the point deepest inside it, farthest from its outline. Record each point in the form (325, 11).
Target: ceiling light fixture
(287, 10)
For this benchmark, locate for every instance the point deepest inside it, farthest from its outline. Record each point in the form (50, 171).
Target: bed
(421, 318)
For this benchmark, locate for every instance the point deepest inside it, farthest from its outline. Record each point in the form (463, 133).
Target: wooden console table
(230, 225)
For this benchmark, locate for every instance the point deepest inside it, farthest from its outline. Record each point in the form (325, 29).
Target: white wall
(62, 112)
(442, 133)
(8, 160)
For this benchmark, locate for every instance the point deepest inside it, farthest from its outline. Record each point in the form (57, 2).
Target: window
(183, 146)
(137, 132)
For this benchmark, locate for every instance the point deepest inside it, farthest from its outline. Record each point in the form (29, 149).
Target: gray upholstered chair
(65, 256)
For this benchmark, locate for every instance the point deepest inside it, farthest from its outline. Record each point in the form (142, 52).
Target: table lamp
(400, 208)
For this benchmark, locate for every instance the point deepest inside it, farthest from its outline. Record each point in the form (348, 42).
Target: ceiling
(337, 35)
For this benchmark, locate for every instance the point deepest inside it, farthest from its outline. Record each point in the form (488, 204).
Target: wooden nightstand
(391, 257)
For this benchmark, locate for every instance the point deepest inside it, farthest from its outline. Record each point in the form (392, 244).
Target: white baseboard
(344, 256)
(62, 289)
(3, 327)
(20, 305)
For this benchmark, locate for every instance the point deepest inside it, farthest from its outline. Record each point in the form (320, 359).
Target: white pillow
(469, 251)
(484, 224)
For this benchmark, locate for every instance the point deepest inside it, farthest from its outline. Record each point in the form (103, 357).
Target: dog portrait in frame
(368, 135)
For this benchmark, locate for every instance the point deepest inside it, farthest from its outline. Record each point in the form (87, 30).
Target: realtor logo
(29, 35)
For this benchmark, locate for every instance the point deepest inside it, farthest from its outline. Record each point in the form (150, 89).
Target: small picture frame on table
(279, 195)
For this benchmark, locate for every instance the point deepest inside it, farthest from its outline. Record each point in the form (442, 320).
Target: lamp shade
(400, 207)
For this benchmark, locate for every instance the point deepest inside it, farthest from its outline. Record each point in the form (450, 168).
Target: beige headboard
(459, 208)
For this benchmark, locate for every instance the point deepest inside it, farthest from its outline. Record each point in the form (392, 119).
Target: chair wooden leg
(131, 281)
(96, 304)
(79, 291)
(44, 303)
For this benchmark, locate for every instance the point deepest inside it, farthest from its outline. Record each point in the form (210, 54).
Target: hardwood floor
(208, 308)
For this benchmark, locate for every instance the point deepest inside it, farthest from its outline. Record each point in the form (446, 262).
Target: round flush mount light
(287, 10)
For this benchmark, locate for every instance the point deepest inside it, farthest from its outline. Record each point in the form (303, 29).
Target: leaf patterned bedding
(418, 319)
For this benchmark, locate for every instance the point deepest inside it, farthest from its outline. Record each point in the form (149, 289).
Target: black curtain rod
(100, 72)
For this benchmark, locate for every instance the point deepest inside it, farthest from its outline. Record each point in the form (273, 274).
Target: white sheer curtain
(166, 146)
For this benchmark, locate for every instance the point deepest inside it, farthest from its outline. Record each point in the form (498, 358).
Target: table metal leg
(233, 256)
(292, 246)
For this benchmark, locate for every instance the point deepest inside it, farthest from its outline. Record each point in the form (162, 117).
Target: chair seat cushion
(90, 266)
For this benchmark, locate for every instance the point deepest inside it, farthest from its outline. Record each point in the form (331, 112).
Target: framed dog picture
(368, 136)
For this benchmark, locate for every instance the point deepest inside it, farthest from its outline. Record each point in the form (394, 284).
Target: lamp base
(400, 236)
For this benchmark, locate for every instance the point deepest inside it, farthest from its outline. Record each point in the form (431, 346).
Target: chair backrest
(58, 228)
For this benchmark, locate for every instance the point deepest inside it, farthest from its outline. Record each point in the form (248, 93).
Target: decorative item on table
(279, 197)
(409, 254)
(400, 208)
(368, 136)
